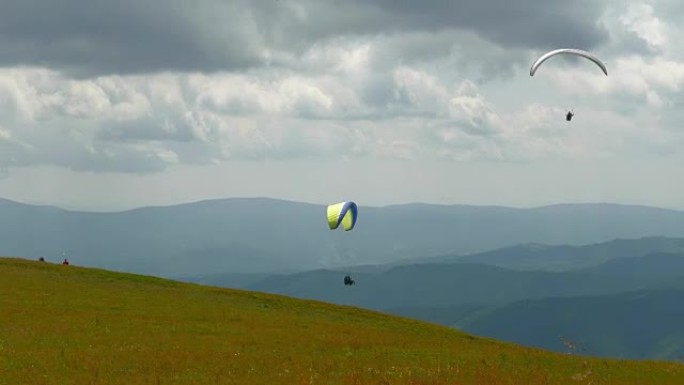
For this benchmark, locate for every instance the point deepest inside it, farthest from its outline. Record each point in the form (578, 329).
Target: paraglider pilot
(569, 116)
(348, 280)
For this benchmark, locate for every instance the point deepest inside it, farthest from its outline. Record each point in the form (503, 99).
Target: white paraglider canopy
(567, 51)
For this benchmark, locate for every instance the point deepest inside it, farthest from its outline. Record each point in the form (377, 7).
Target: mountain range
(258, 235)
(608, 277)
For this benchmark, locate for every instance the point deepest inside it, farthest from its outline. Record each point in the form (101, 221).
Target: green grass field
(70, 325)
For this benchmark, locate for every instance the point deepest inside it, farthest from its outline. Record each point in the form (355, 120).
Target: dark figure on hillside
(65, 262)
(569, 116)
(348, 281)
(41, 259)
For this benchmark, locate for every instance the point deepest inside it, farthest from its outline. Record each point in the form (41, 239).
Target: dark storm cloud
(92, 37)
(522, 23)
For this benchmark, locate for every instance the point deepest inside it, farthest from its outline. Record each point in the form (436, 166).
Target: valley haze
(260, 235)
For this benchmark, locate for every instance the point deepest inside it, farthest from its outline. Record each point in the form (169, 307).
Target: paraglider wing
(568, 51)
(344, 213)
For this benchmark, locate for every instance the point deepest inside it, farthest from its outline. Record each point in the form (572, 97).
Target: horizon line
(389, 205)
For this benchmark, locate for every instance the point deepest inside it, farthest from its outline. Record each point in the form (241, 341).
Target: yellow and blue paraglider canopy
(344, 213)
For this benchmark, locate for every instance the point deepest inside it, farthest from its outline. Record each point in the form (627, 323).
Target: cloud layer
(137, 87)
(85, 37)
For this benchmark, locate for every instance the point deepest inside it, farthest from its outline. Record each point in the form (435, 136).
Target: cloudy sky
(107, 105)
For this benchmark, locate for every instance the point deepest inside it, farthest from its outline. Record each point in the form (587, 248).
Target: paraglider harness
(348, 281)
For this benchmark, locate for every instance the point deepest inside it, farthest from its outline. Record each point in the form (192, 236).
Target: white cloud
(458, 93)
(640, 19)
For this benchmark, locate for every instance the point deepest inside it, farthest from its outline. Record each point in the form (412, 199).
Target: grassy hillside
(71, 325)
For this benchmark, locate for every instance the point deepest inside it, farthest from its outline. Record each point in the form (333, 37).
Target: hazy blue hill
(658, 265)
(258, 235)
(198, 238)
(429, 285)
(644, 324)
(534, 256)
(652, 271)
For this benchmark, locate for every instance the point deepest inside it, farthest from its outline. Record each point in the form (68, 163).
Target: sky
(110, 105)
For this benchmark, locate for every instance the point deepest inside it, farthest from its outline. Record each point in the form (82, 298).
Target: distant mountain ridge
(260, 235)
(647, 324)
(643, 324)
(536, 256)
(494, 265)
(432, 284)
